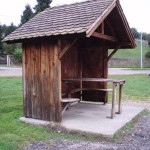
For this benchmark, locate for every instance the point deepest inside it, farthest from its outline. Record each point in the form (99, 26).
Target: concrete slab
(95, 119)
(34, 121)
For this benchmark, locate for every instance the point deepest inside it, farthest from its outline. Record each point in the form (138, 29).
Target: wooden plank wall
(94, 65)
(41, 80)
(86, 60)
(70, 64)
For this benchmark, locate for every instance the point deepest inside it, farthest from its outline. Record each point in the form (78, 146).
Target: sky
(136, 11)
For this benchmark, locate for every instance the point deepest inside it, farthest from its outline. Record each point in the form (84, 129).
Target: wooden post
(8, 61)
(57, 82)
(120, 99)
(24, 81)
(113, 100)
(105, 51)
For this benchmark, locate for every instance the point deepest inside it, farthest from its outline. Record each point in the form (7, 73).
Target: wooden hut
(68, 41)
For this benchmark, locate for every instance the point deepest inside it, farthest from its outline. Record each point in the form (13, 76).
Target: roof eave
(97, 23)
(126, 24)
(100, 19)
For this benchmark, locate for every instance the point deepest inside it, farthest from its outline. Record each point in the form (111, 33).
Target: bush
(149, 42)
(18, 55)
(147, 55)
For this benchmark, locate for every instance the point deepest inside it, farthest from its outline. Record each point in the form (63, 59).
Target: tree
(149, 42)
(9, 29)
(42, 5)
(1, 37)
(27, 14)
(135, 33)
(8, 48)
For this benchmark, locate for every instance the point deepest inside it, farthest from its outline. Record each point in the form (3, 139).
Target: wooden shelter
(68, 41)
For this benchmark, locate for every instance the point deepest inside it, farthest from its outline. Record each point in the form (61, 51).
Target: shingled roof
(66, 19)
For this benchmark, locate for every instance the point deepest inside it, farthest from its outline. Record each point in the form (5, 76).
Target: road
(9, 72)
(126, 71)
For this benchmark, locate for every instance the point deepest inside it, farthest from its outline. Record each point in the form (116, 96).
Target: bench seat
(68, 101)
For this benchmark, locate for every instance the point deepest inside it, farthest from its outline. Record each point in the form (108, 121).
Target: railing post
(8, 61)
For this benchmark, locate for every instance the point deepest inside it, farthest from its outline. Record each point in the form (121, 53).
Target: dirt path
(138, 139)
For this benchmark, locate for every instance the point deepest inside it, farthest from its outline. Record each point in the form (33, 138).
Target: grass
(131, 53)
(136, 88)
(13, 133)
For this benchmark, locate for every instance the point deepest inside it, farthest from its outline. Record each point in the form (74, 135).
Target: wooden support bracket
(105, 37)
(67, 47)
(113, 52)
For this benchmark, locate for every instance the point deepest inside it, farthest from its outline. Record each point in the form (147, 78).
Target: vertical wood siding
(41, 80)
(71, 66)
(94, 65)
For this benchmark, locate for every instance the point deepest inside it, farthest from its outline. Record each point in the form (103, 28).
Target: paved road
(10, 72)
(7, 71)
(126, 71)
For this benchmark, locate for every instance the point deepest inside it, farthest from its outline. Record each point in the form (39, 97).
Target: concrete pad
(95, 118)
(34, 121)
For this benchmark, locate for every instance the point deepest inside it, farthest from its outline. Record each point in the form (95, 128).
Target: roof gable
(65, 19)
(84, 17)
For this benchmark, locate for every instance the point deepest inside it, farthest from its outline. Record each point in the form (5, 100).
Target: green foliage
(135, 33)
(149, 42)
(27, 14)
(1, 34)
(42, 5)
(9, 29)
(8, 49)
(147, 55)
(146, 36)
(4, 31)
(18, 55)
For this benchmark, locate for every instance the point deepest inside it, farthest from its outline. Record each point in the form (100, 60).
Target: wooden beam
(110, 27)
(67, 47)
(103, 28)
(105, 37)
(113, 52)
(96, 24)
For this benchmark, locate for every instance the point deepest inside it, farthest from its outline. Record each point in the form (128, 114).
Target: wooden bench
(86, 89)
(115, 83)
(90, 89)
(67, 102)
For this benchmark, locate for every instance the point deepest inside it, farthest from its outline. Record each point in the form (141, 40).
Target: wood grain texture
(41, 85)
(43, 73)
(93, 66)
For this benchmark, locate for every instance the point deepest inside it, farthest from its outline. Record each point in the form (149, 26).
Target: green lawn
(137, 87)
(131, 53)
(13, 133)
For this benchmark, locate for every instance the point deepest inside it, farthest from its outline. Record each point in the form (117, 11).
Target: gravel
(137, 139)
